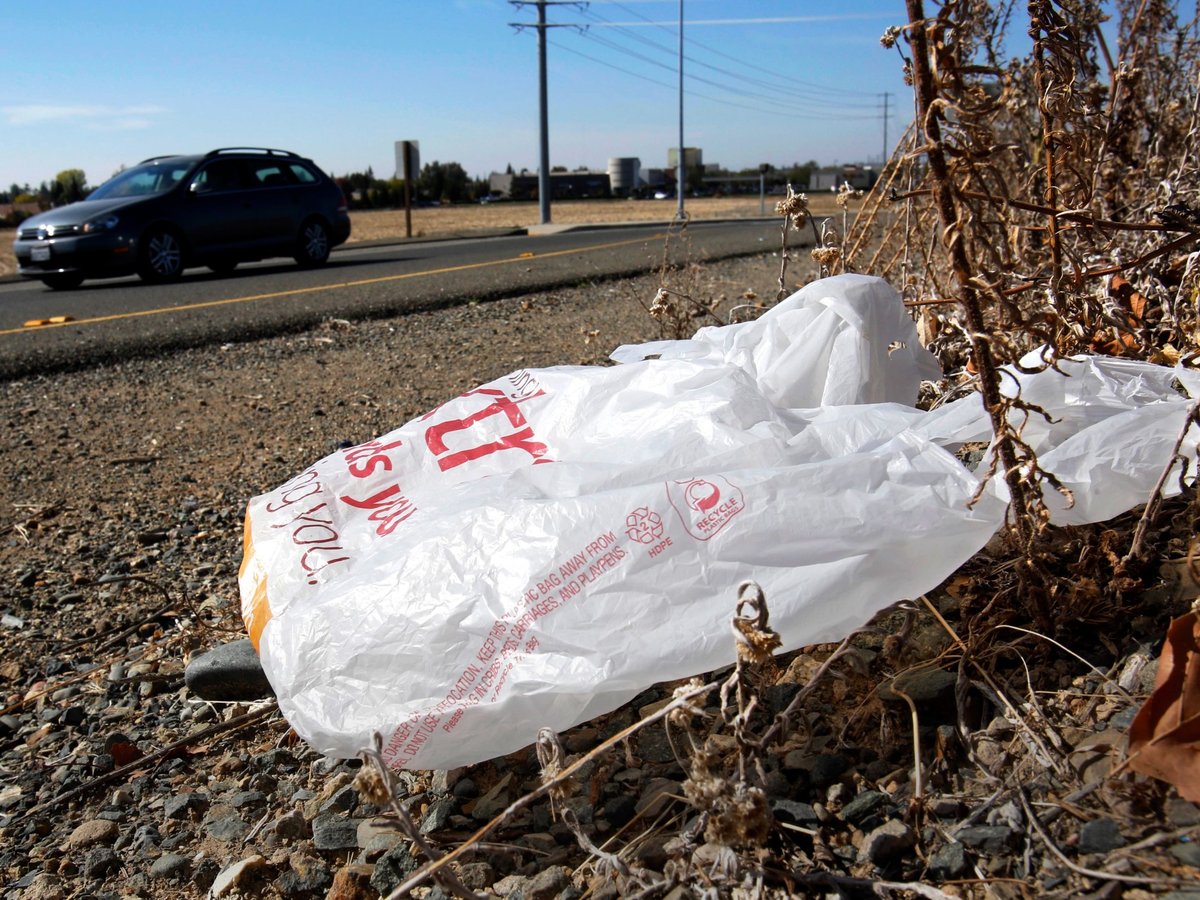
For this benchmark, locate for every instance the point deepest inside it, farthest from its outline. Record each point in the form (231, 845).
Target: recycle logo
(644, 525)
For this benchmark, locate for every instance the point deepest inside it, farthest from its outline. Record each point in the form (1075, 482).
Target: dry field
(467, 218)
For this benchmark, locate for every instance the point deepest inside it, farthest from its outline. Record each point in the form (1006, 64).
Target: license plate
(40, 254)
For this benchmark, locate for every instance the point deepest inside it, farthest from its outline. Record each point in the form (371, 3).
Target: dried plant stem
(995, 689)
(434, 865)
(1040, 13)
(783, 259)
(1022, 498)
(1031, 816)
(918, 785)
(1155, 501)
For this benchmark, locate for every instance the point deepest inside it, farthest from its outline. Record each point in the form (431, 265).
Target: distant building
(831, 178)
(577, 185)
(693, 157)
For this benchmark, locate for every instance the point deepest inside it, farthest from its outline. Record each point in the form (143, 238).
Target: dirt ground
(122, 491)
(373, 225)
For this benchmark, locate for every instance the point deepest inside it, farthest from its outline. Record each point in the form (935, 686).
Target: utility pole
(543, 98)
(681, 166)
(885, 126)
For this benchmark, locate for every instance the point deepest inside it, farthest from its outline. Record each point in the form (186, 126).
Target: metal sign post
(408, 165)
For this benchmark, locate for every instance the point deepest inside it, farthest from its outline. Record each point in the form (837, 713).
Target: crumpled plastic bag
(542, 548)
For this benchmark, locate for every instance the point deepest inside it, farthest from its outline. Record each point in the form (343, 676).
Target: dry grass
(374, 225)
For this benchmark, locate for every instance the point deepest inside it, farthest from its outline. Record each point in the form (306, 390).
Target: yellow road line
(208, 304)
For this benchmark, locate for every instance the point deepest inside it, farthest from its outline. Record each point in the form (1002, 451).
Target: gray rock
(229, 672)
(306, 876)
(582, 807)
(438, 814)
(205, 874)
(465, 789)
(371, 830)
(343, 801)
(865, 807)
(392, 869)
(334, 832)
(827, 768)
(1123, 718)
(477, 876)
(1182, 813)
(802, 814)
(171, 867)
(291, 826)
(653, 746)
(182, 807)
(547, 884)
(889, 841)
(224, 824)
(100, 861)
(620, 810)
(1187, 853)
(1100, 836)
(248, 799)
(988, 839)
(145, 838)
(922, 685)
(947, 808)
(656, 795)
(949, 861)
(44, 887)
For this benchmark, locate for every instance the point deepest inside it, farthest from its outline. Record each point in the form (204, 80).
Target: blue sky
(98, 85)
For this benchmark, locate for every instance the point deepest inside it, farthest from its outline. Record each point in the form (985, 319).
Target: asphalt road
(117, 319)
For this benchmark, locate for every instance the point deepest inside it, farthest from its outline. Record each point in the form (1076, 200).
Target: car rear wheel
(160, 258)
(66, 281)
(312, 244)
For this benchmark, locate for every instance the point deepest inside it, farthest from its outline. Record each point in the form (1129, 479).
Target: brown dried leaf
(1164, 739)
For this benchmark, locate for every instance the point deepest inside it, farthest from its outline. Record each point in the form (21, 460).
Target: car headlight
(104, 223)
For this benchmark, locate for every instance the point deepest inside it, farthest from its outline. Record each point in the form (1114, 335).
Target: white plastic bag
(537, 551)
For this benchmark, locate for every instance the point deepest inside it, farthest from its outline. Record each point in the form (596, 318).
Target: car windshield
(142, 181)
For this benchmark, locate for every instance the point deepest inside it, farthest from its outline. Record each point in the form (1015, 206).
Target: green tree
(444, 181)
(70, 186)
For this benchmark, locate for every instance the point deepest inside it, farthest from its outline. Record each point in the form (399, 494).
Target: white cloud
(107, 117)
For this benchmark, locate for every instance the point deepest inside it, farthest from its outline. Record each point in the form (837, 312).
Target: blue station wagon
(169, 213)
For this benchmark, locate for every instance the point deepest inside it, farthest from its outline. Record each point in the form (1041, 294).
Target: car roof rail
(264, 150)
(163, 156)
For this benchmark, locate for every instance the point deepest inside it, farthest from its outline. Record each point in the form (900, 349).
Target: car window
(303, 175)
(268, 175)
(141, 181)
(220, 175)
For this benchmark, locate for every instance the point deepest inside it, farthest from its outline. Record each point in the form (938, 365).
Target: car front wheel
(312, 245)
(66, 281)
(160, 258)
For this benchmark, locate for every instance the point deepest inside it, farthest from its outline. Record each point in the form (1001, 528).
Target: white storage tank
(623, 174)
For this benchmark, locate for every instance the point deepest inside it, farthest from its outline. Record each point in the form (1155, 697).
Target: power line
(824, 117)
(749, 65)
(805, 104)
